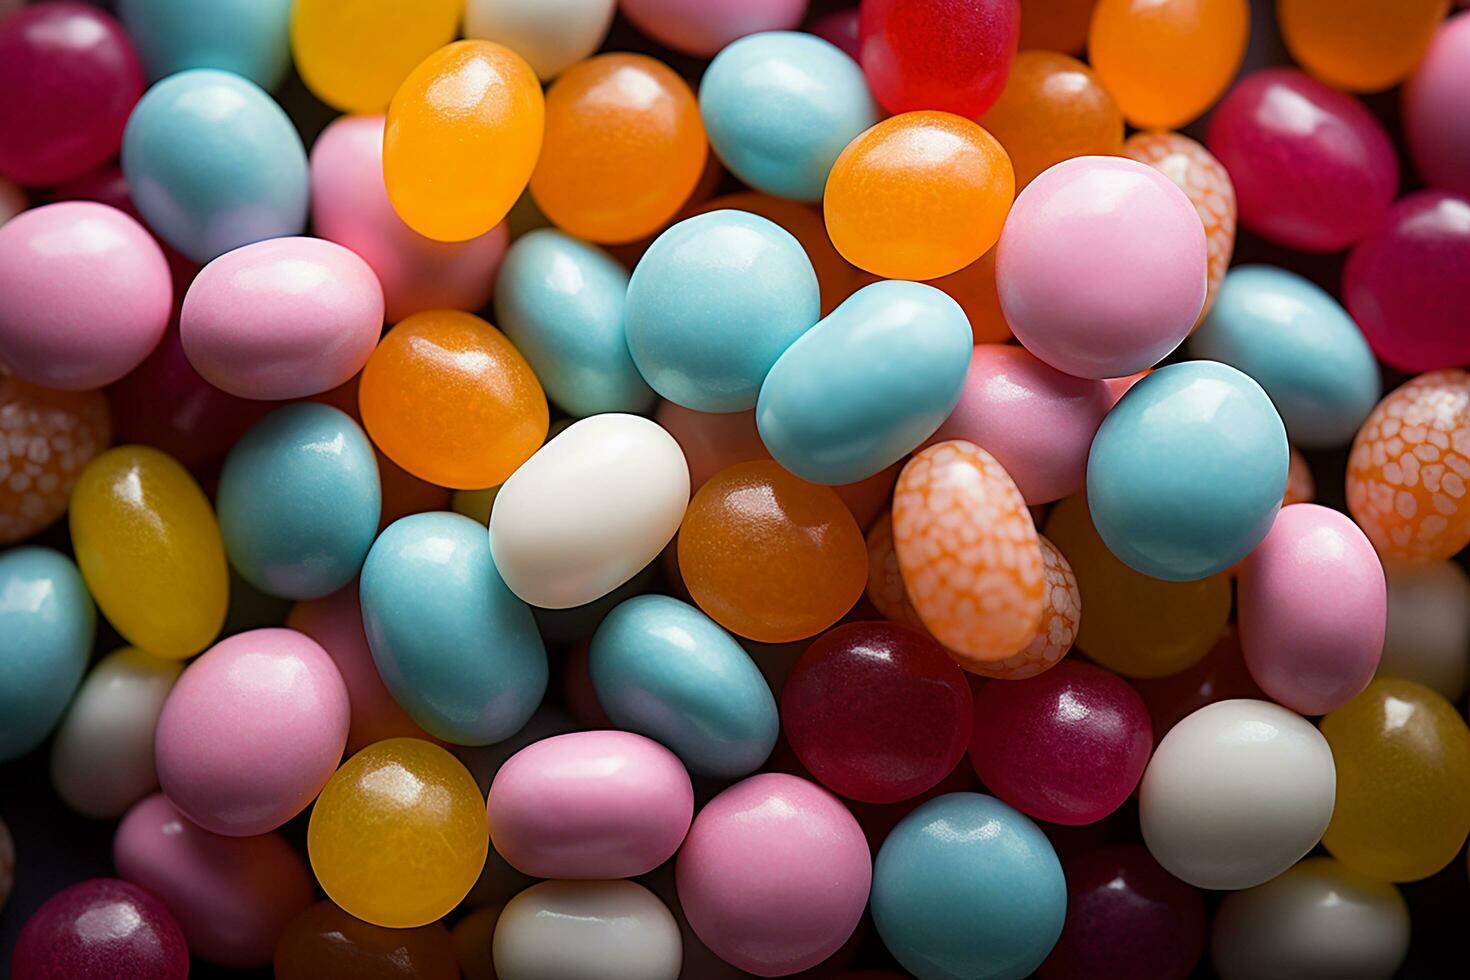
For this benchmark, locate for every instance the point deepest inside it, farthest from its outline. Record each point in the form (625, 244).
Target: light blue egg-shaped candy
(780, 106)
(868, 384)
(966, 888)
(664, 669)
(251, 38)
(47, 622)
(212, 163)
(1188, 470)
(713, 303)
(1300, 345)
(561, 301)
(454, 646)
(299, 500)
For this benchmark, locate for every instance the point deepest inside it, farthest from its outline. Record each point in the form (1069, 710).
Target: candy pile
(824, 502)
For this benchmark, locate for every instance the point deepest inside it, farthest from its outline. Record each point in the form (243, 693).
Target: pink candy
(1435, 116)
(703, 27)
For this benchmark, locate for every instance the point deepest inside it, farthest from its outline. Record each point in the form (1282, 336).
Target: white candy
(552, 35)
(587, 930)
(1428, 638)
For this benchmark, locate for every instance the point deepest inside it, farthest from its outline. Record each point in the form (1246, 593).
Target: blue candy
(248, 37)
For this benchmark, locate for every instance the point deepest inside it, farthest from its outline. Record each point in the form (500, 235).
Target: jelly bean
(1236, 793)
(938, 54)
(877, 712)
(1220, 675)
(966, 886)
(550, 36)
(466, 103)
(974, 288)
(1053, 108)
(769, 556)
(1406, 475)
(1403, 781)
(101, 929)
(714, 355)
(1313, 169)
(663, 668)
(102, 759)
(589, 510)
(474, 937)
(840, 28)
(1300, 487)
(1067, 746)
(1438, 133)
(768, 924)
(1166, 62)
(1101, 268)
(353, 54)
(149, 548)
(46, 628)
(453, 645)
(247, 37)
(1358, 45)
(1187, 471)
(561, 302)
(587, 930)
(702, 27)
(69, 76)
(1428, 625)
(1058, 630)
(867, 384)
(399, 835)
(918, 196)
(1055, 25)
(447, 397)
(1320, 919)
(46, 437)
(232, 896)
(325, 943)
(84, 295)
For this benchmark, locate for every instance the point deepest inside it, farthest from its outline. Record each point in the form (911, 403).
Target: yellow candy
(399, 835)
(353, 54)
(149, 548)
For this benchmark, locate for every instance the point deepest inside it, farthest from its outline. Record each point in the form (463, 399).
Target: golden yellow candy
(1359, 45)
(149, 547)
(1403, 781)
(399, 835)
(353, 54)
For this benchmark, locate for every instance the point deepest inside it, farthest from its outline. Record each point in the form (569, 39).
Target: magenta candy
(101, 929)
(1067, 746)
(1313, 610)
(68, 79)
(1408, 283)
(1435, 120)
(252, 731)
(703, 27)
(1313, 169)
(840, 28)
(774, 874)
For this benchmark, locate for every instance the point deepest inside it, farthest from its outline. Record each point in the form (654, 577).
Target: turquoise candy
(666, 670)
(561, 302)
(299, 500)
(779, 107)
(453, 644)
(713, 303)
(1300, 345)
(868, 384)
(47, 623)
(966, 888)
(1188, 470)
(248, 37)
(212, 163)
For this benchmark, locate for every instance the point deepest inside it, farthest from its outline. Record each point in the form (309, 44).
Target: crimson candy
(840, 27)
(1220, 675)
(950, 55)
(876, 711)
(101, 929)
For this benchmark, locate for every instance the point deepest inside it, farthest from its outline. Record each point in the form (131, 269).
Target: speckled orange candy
(46, 437)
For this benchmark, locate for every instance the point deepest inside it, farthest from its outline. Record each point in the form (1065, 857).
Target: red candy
(102, 929)
(950, 55)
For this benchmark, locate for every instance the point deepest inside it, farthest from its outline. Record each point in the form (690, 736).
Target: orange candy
(918, 196)
(1053, 108)
(1055, 25)
(973, 287)
(46, 437)
(624, 148)
(447, 397)
(1359, 45)
(1300, 487)
(768, 555)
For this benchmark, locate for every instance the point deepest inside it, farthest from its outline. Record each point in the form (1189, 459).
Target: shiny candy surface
(1358, 45)
(550, 36)
(938, 54)
(1060, 618)
(325, 943)
(46, 437)
(587, 930)
(1438, 136)
(353, 54)
(702, 27)
(100, 929)
(1053, 108)
(247, 37)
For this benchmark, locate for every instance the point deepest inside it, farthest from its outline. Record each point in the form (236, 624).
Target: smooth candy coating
(1438, 134)
(550, 36)
(1403, 781)
(1428, 625)
(149, 548)
(1237, 793)
(1101, 268)
(353, 54)
(325, 943)
(213, 163)
(1053, 108)
(965, 886)
(918, 196)
(468, 102)
(1055, 25)
(84, 295)
(247, 37)
(974, 288)
(1220, 675)
(587, 930)
(766, 924)
(1059, 623)
(399, 834)
(46, 437)
(1358, 45)
(938, 54)
(702, 27)
(100, 929)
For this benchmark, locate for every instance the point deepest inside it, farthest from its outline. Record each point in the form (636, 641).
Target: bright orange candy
(973, 287)
(1053, 108)
(1167, 61)
(768, 555)
(1410, 466)
(1359, 45)
(447, 397)
(462, 137)
(1055, 25)
(624, 148)
(46, 437)
(918, 196)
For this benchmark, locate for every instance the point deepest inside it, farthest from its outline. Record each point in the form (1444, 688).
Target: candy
(325, 943)
(702, 27)
(938, 54)
(1358, 45)
(1058, 630)
(100, 929)
(1053, 108)
(1438, 133)
(1055, 25)
(839, 28)
(1220, 675)
(353, 54)
(587, 930)
(550, 36)
(1428, 625)
(247, 37)
(46, 437)
(473, 937)
(973, 287)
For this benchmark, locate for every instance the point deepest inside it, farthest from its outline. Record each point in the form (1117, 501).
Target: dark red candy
(1219, 676)
(950, 55)
(102, 929)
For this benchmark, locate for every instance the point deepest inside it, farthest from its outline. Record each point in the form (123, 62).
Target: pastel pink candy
(1101, 269)
(1435, 117)
(252, 731)
(606, 804)
(1313, 607)
(85, 295)
(703, 27)
(774, 874)
(283, 318)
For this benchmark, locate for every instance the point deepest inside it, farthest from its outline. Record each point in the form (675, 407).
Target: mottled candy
(46, 437)
(100, 929)
(1053, 108)
(1060, 619)
(938, 54)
